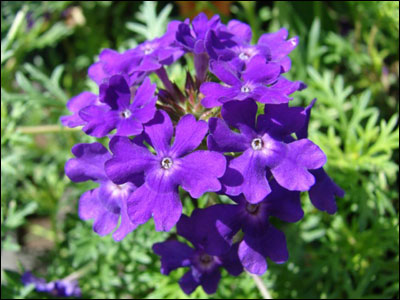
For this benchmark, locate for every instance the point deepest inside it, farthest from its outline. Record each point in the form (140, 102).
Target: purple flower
(116, 110)
(59, 288)
(168, 168)
(279, 47)
(112, 63)
(261, 81)
(204, 267)
(322, 193)
(263, 149)
(206, 39)
(260, 238)
(107, 203)
(75, 104)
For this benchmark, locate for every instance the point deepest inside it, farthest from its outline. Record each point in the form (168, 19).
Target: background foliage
(349, 57)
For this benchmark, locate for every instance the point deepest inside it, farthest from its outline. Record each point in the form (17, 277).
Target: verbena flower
(204, 267)
(168, 168)
(260, 239)
(263, 149)
(260, 81)
(58, 288)
(114, 109)
(107, 203)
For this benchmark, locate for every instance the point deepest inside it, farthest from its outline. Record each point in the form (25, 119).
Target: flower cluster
(58, 288)
(236, 137)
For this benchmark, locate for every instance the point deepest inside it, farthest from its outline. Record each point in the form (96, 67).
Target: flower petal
(116, 93)
(224, 72)
(199, 172)
(75, 104)
(88, 164)
(160, 131)
(210, 281)
(128, 159)
(173, 254)
(241, 30)
(100, 120)
(215, 94)
(188, 283)
(222, 139)
(189, 134)
(259, 71)
(239, 113)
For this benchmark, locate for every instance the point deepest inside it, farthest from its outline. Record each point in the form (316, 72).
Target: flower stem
(44, 129)
(261, 287)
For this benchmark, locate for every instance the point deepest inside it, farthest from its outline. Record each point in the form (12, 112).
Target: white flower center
(148, 49)
(245, 89)
(126, 113)
(166, 163)
(257, 144)
(244, 56)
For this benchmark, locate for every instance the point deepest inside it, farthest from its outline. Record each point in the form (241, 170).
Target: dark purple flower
(264, 149)
(107, 203)
(116, 110)
(260, 238)
(204, 267)
(261, 81)
(59, 288)
(171, 166)
(322, 193)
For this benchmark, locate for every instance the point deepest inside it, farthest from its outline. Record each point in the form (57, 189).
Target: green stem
(261, 287)
(44, 129)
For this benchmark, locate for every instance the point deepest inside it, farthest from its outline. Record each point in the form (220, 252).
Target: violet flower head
(107, 203)
(116, 110)
(204, 267)
(260, 239)
(58, 288)
(260, 81)
(171, 166)
(263, 149)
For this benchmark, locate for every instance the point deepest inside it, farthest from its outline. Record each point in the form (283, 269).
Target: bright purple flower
(204, 267)
(260, 238)
(168, 168)
(117, 111)
(261, 81)
(107, 203)
(279, 47)
(59, 288)
(112, 63)
(205, 40)
(75, 104)
(264, 149)
(322, 193)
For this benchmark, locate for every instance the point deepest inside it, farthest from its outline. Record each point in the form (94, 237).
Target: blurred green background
(349, 58)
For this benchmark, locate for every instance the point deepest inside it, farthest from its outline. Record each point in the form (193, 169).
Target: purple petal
(189, 134)
(292, 173)
(258, 70)
(118, 63)
(251, 260)
(129, 127)
(160, 131)
(128, 159)
(302, 133)
(105, 223)
(224, 73)
(284, 204)
(97, 73)
(126, 226)
(210, 281)
(200, 171)
(222, 139)
(173, 254)
(241, 30)
(90, 206)
(280, 120)
(88, 164)
(100, 120)
(252, 166)
(159, 197)
(322, 193)
(188, 283)
(231, 262)
(116, 93)
(144, 94)
(239, 113)
(215, 94)
(74, 105)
